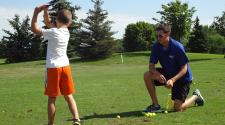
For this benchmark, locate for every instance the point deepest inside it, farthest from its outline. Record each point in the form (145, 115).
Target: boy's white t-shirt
(57, 47)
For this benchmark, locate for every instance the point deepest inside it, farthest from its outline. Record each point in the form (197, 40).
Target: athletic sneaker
(76, 122)
(200, 100)
(153, 108)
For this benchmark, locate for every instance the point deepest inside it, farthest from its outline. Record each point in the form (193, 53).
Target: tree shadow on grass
(23, 61)
(80, 60)
(4, 63)
(133, 54)
(197, 60)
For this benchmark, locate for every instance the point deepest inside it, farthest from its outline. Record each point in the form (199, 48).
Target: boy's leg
(67, 88)
(72, 106)
(51, 110)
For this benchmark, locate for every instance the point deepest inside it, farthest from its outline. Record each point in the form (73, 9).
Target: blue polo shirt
(171, 59)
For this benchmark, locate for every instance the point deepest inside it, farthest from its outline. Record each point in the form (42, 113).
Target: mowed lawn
(106, 88)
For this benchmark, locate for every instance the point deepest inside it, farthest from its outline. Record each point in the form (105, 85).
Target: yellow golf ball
(166, 112)
(118, 116)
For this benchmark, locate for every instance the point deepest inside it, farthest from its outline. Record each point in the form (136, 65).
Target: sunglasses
(161, 33)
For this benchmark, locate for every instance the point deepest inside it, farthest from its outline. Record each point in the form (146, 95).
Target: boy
(175, 73)
(59, 78)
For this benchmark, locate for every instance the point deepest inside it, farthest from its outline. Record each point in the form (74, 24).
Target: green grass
(106, 88)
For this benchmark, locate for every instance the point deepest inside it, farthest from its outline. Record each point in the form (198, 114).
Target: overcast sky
(122, 12)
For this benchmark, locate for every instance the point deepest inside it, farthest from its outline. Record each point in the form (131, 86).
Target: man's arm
(152, 68)
(181, 73)
(47, 20)
(34, 26)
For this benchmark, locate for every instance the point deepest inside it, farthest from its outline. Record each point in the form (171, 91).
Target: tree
(2, 50)
(215, 41)
(197, 41)
(57, 5)
(20, 45)
(138, 36)
(179, 16)
(96, 39)
(219, 24)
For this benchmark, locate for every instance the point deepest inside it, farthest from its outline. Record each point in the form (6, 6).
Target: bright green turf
(107, 88)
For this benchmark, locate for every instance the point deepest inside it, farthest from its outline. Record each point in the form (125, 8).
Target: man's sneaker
(153, 108)
(200, 100)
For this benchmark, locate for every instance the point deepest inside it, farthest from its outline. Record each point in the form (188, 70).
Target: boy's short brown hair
(164, 27)
(64, 16)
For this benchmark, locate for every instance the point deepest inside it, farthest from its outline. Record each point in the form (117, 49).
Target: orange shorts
(59, 80)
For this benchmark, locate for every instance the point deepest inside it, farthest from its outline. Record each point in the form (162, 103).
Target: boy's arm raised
(34, 26)
(47, 20)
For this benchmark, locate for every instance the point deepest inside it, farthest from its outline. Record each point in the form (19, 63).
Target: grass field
(106, 88)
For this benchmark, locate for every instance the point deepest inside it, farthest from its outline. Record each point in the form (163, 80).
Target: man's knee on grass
(178, 106)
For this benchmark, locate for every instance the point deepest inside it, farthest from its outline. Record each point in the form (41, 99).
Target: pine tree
(96, 39)
(219, 24)
(197, 41)
(20, 45)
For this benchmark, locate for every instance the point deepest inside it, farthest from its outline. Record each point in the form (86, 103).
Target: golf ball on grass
(150, 114)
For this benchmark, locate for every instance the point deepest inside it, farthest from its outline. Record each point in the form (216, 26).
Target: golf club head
(58, 2)
(84, 45)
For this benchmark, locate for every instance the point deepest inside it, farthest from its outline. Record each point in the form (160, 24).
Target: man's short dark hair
(64, 16)
(164, 27)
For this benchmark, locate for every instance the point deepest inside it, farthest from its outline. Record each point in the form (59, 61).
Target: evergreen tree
(215, 41)
(198, 41)
(20, 45)
(96, 39)
(2, 50)
(219, 24)
(55, 6)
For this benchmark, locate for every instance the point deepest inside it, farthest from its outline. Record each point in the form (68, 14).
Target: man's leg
(148, 78)
(51, 110)
(72, 106)
(182, 106)
(195, 98)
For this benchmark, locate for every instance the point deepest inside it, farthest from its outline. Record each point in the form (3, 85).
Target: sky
(121, 12)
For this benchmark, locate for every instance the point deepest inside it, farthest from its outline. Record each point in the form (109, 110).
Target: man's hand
(161, 78)
(169, 83)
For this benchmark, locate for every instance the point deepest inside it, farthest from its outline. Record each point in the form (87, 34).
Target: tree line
(92, 38)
